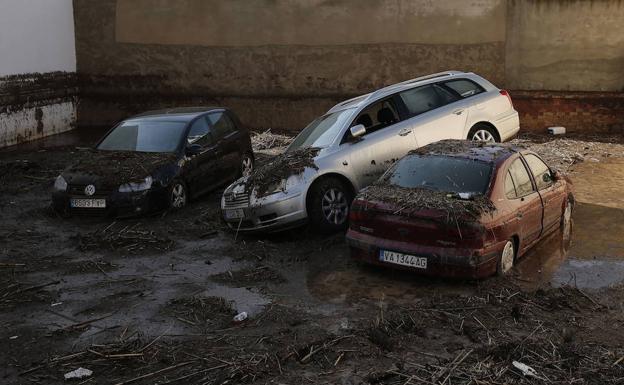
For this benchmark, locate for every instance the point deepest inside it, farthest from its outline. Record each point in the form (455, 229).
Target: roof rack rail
(418, 79)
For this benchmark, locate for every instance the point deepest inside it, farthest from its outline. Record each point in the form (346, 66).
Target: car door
(387, 139)
(227, 136)
(526, 202)
(202, 168)
(552, 193)
(435, 112)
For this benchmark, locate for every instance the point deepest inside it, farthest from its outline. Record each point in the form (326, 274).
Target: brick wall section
(586, 112)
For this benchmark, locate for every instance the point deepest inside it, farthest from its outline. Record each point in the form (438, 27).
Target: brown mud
(147, 315)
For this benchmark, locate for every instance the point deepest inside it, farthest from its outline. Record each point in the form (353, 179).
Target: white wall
(36, 36)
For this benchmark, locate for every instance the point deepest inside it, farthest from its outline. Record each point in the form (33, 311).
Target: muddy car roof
(180, 113)
(487, 152)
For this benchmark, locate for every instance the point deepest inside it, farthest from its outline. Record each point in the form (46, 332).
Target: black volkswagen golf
(154, 161)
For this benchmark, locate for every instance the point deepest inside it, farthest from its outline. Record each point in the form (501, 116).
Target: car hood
(280, 168)
(110, 169)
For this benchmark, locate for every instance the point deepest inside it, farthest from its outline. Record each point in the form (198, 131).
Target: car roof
(391, 89)
(179, 114)
(467, 149)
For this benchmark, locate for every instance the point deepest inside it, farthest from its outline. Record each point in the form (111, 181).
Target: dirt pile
(465, 148)
(271, 174)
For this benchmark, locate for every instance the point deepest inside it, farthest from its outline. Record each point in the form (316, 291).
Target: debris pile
(201, 311)
(407, 200)
(271, 174)
(266, 140)
(117, 167)
(129, 238)
(561, 153)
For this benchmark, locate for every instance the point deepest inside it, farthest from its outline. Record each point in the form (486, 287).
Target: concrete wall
(37, 69)
(280, 63)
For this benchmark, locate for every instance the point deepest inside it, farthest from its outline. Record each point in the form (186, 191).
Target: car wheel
(247, 165)
(178, 196)
(506, 260)
(483, 133)
(566, 220)
(329, 205)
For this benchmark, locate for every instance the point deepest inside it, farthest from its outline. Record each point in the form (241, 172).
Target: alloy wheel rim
(247, 166)
(178, 196)
(483, 136)
(335, 206)
(507, 257)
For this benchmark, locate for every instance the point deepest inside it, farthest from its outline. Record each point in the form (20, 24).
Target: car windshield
(322, 131)
(144, 136)
(441, 173)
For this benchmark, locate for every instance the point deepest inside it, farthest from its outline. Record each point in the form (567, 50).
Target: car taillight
(505, 93)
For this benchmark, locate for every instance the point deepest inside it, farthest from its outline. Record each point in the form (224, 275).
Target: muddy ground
(151, 300)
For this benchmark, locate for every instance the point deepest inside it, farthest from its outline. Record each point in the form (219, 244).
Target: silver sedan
(357, 140)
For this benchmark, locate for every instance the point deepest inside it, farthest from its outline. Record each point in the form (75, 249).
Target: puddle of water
(589, 274)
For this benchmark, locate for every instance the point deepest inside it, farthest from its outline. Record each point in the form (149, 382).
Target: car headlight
(60, 184)
(146, 184)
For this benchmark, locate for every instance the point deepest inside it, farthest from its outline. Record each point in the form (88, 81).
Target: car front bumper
(275, 212)
(117, 204)
(441, 262)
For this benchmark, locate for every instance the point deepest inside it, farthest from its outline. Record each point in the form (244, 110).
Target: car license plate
(402, 259)
(88, 203)
(234, 214)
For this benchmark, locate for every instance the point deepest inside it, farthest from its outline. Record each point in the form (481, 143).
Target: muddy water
(592, 258)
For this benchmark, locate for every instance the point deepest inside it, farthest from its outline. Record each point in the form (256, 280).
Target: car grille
(78, 189)
(236, 200)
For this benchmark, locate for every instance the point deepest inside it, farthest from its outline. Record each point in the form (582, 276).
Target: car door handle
(405, 131)
(458, 112)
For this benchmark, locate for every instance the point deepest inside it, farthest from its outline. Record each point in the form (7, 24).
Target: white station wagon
(360, 138)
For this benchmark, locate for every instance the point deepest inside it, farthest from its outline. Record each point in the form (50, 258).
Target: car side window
(540, 170)
(377, 116)
(222, 124)
(510, 188)
(521, 178)
(199, 132)
(426, 98)
(464, 87)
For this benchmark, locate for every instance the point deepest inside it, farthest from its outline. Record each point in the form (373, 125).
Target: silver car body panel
(362, 161)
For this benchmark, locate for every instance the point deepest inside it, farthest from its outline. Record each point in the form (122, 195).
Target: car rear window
(464, 87)
(441, 173)
(144, 136)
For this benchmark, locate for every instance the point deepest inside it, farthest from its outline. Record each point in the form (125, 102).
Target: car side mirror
(193, 149)
(358, 130)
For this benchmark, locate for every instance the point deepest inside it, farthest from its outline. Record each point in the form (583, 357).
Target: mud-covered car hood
(113, 168)
(281, 168)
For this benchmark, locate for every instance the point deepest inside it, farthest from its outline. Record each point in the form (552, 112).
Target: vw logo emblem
(89, 190)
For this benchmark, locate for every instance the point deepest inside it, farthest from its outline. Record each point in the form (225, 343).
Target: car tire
(247, 164)
(506, 259)
(483, 132)
(328, 205)
(566, 220)
(178, 195)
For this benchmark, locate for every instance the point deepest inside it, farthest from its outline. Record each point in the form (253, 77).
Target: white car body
(462, 106)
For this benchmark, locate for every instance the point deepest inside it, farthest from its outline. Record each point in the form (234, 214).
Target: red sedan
(459, 208)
